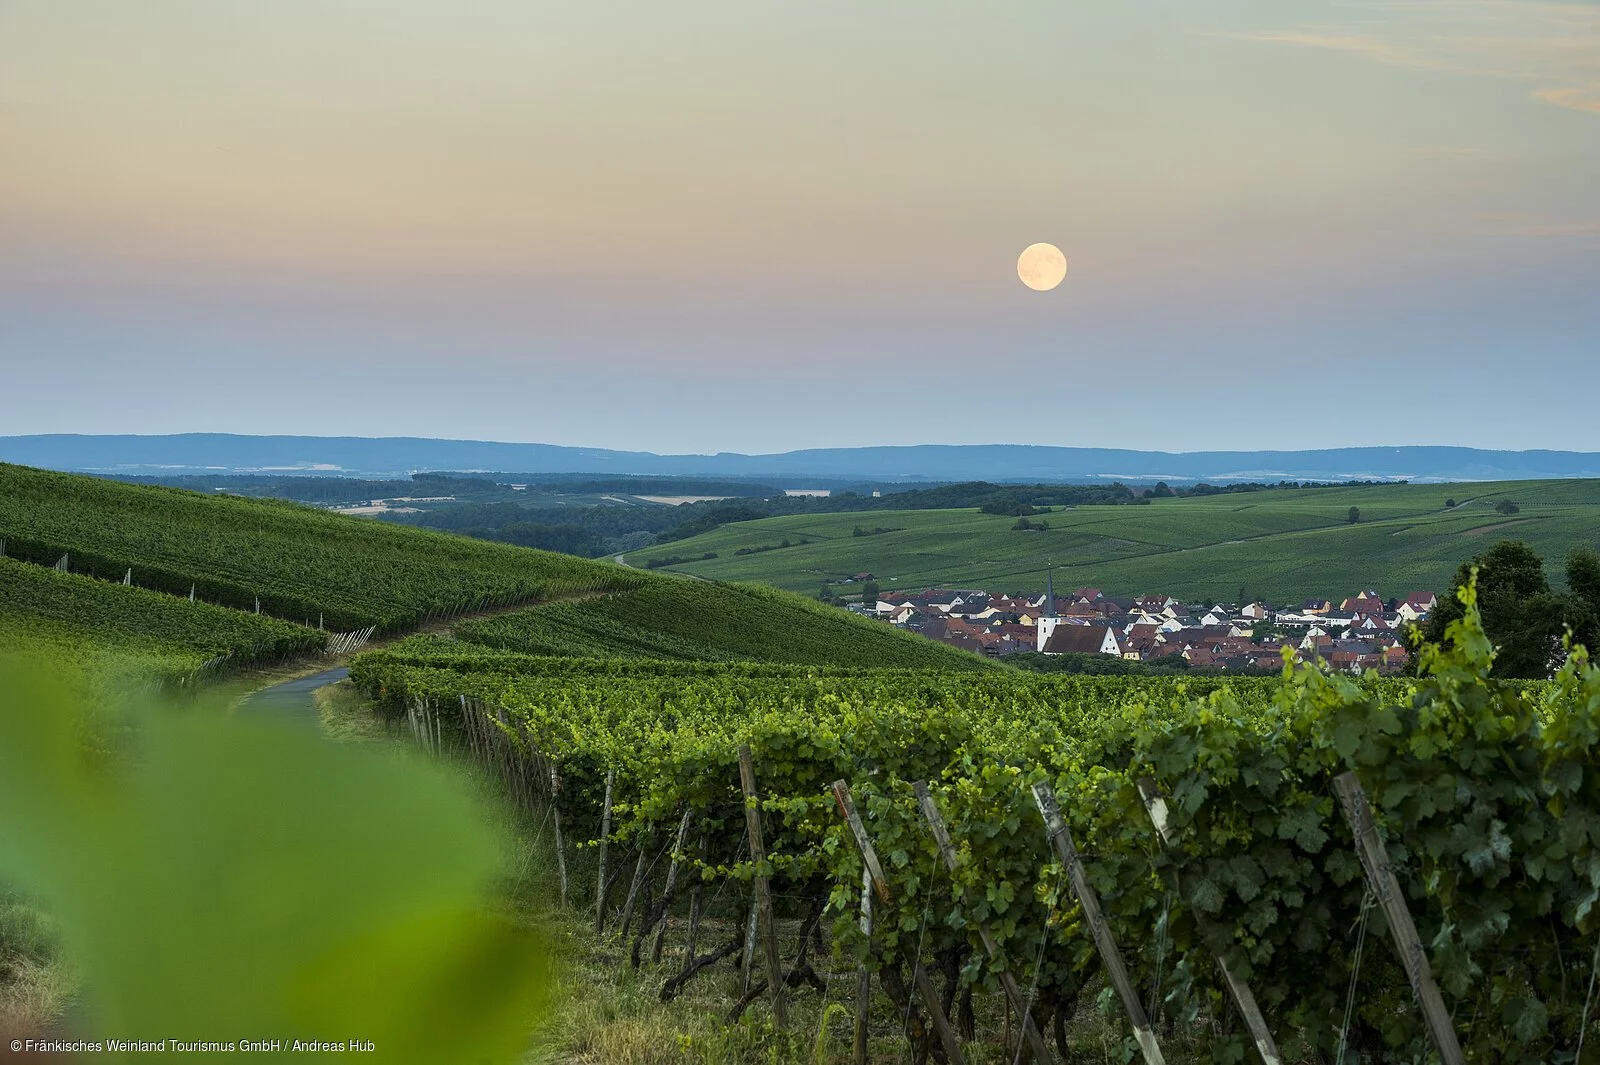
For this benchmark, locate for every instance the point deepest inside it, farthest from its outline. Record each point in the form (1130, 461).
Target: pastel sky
(740, 225)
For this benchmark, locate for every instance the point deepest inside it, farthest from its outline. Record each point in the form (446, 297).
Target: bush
(678, 560)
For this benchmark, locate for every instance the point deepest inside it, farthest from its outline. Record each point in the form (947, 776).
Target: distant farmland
(1278, 545)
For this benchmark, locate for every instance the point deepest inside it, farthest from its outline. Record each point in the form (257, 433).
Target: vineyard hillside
(295, 561)
(307, 566)
(687, 620)
(121, 640)
(1282, 544)
(38, 597)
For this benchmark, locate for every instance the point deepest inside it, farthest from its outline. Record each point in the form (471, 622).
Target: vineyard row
(1485, 794)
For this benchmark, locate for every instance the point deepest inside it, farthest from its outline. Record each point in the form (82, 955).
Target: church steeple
(1047, 612)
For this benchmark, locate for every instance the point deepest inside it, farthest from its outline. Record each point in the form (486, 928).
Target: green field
(1280, 545)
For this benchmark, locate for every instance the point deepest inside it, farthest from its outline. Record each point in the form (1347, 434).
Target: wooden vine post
(1243, 998)
(555, 809)
(919, 975)
(747, 960)
(863, 974)
(1019, 1001)
(605, 844)
(763, 891)
(1381, 879)
(1116, 968)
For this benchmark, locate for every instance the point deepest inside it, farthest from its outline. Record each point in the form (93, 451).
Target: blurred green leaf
(244, 880)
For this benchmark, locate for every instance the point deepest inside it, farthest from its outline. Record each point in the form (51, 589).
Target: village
(1358, 633)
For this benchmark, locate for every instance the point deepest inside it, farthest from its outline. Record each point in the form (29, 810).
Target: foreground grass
(35, 982)
(346, 716)
(608, 1013)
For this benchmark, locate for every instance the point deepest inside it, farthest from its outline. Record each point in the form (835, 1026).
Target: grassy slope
(300, 561)
(672, 618)
(1282, 545)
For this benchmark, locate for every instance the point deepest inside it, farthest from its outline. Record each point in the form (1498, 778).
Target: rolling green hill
(1279, 545)
(355, 572)
(301, 563)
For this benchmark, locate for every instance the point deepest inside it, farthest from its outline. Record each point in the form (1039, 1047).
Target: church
(1047, 612)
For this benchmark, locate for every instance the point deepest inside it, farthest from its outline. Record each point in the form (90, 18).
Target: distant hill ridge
(392, 456)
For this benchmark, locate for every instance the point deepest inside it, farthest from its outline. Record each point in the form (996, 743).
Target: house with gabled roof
(1416, 606)
(1142, 638)
(1084, 639)
(1364, 601)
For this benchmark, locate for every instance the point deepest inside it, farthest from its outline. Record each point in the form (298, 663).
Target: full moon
(1041, 266)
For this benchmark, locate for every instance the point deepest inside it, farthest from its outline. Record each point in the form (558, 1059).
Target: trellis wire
(1367, 900)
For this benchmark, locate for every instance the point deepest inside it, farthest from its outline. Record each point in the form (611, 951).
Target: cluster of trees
(676, 560)
(1013, 509)
(1524, 616)
(1103, 665)
(1164, 491)
(588, 531)
(869, 593)
(323, 490)
(329, 488)
(785, 542)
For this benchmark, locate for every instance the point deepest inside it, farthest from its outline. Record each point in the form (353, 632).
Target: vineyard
(668, 618)
(43, 599)
(289, 561)
(1206, 842)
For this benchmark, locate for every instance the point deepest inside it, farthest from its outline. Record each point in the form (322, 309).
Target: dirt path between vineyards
(294, 687)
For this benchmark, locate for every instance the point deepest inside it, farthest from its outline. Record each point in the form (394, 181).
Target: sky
(733, 226)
